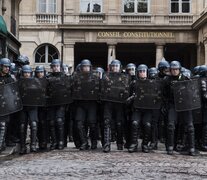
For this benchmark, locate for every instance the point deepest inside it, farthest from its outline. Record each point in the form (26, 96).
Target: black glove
(130, 99)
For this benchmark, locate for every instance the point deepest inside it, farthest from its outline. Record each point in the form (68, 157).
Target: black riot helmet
(40, 69)
(196, 70)
(203, 71)
(142, 68)
(175, 65)
(115, 65)
(153, 73)
(187, 73)
(22, 60)
(5, 62)
(85, 63)
(131, 69)
(26, 69)
(14, 69)
(163, 65)
(100, 72)
(65, 68)
(55, 62)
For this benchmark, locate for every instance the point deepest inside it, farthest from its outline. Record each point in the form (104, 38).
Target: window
(180, 6)
(45, 54)
(136, 6)
(47, 6)
(91, 6)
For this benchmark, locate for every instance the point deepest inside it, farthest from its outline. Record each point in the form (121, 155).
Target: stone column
(69, 55)
(111, 52)
(205, 49)
(159, 53)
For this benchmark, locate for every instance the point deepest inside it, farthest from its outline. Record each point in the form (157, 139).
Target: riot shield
(33, 91)
(115, 87)
(187, 95)
(10, 99)
(86, 86)
(148, 94)
(59, 91)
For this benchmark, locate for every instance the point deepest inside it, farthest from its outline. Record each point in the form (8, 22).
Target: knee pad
(190, 129)
(60, 121)
(148, 125)
(134, 123)
(171, 127)
(107, 122)
(2, 125)
(33, 125)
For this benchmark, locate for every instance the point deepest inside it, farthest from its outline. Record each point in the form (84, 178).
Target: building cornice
(105, 27)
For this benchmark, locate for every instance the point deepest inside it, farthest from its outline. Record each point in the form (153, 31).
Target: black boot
(60, 125)
(33, 128)
(204, 139)
(154, 141)
(191, 141)
(134, 137)
(119, 136)
(23, 135)
(162, 129)
(170, 150)
(82, 136)
(53, 135)
(43, 136)
(170, 141)
(146, 137)
(107, 136)
(2, 135)
(93, 135)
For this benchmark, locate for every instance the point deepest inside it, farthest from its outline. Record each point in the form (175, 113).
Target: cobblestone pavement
(71, 163)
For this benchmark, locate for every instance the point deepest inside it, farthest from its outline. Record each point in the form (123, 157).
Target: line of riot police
(166, 104)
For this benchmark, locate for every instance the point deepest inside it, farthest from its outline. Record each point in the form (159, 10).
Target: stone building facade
(139, 31)
(9, 25)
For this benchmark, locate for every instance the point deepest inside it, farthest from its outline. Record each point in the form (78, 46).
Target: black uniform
(56, 116)
(4, 120)
(85, 94)
(115, 91)
(187, 118)
(140, 116)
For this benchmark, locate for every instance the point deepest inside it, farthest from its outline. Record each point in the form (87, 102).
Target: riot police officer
(56, 112)
(139, 116)
(16, 69)
(131, 70)
(5, 78)
(114, 108)
(20, 62)
(196, 71)
(164, 71)
(86, 108)
(153, 74)
(187, 119)
(203, 76)
(29, 114)
(40, 73)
